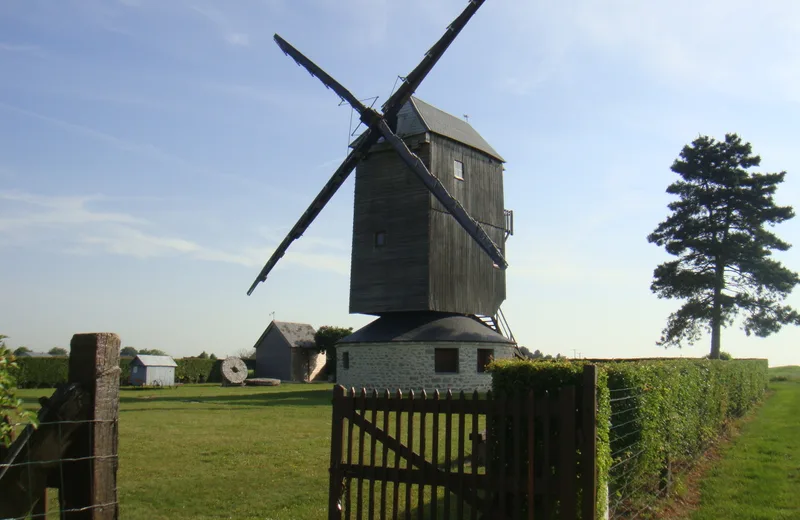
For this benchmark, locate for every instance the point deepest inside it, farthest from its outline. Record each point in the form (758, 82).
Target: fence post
(337, 427)
(90, 485)
(589, 448)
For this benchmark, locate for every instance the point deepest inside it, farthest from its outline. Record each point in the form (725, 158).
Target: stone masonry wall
(410, 366)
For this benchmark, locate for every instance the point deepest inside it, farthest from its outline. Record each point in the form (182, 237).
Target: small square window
(485, 356)
(446, 360)
(380, 239)
(345, 360)
(458, 170)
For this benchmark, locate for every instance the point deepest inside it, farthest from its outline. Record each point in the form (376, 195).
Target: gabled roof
(155, 361)
(299, 335)
(417, 116)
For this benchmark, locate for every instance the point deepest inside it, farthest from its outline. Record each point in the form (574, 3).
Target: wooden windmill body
(429, 237)
(409, 254)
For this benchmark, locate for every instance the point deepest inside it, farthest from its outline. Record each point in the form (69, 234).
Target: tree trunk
(716, 314)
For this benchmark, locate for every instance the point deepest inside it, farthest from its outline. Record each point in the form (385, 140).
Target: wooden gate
(476, 457)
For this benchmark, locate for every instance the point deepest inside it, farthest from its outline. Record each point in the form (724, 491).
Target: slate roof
(427, 327)
(417, 117)
(34, 354)
(299, 335)
(155, 361)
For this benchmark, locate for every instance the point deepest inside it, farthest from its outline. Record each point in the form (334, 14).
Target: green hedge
(47, 372)
(666, 413)
(198, 370)
(653, 416)
(41, 372)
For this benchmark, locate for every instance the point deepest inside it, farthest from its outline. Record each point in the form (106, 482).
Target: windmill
(428, 246)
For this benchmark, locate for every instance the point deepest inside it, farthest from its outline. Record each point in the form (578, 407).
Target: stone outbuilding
(287, 351)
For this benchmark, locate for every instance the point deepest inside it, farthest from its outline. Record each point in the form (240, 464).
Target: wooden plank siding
(389, 198)
(429, 263)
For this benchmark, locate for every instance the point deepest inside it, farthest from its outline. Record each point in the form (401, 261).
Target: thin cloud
(16, 47)
(77, 228)
(238, 39)
(123, 144)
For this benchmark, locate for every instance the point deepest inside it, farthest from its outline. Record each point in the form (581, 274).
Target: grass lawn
(758, 474)
(204, 451)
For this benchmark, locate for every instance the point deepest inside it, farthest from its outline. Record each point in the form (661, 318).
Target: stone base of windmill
(421, 351)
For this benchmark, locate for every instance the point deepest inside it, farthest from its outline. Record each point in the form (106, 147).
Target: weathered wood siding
(429, 262)
(274, 357)
(461, 277)
(389, 198)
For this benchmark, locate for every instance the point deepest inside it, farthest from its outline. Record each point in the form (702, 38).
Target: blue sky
(153, 153)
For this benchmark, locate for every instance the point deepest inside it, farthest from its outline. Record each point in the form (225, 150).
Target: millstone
(262, 381)
(234, 371)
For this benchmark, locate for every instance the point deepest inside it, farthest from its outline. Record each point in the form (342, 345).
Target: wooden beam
(89, 490)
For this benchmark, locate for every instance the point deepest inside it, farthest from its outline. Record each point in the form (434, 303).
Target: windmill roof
(417, 116)
(426, 327)
(299, 335)
(155, 361)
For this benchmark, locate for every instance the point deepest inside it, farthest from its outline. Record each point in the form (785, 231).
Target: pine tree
(717, 231)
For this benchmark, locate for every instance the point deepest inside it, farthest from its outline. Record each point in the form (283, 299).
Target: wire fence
(42, 473)
(66, 465)
(639, 477)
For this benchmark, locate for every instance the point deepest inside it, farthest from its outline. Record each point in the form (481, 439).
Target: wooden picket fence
(476, 457)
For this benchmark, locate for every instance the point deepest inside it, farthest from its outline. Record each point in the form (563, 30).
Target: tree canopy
(128, 352)
(724, 266)
(327, 336)
(58, 351)
(21, 350)
(152, 352)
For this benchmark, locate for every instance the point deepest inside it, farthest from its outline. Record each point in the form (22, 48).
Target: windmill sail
(372, 119)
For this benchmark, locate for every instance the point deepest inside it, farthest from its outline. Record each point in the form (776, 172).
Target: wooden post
(337, 430)
(90, 486)
(589, 447)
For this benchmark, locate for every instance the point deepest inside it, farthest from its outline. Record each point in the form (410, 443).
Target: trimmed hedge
(198, 370)
(654, 415)
(666, 413)
(41, 372)
(47, 372)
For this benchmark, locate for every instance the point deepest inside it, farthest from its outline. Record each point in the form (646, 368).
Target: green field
(758, 475)
(204, 451)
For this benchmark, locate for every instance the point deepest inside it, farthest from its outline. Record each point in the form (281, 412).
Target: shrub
(10, 406)
(42, 372)
(198, 370)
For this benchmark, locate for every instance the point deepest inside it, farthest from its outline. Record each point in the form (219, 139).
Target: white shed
(153, 371)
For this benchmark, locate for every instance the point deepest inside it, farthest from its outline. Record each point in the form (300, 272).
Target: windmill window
(485, 356)
(458, 170)
(446, 360)
(380, 239)
(345, 360)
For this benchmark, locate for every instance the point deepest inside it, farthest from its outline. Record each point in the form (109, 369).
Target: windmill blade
(436, 187)
(317, 72)
(415, 77)
(330, 188)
